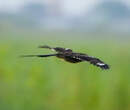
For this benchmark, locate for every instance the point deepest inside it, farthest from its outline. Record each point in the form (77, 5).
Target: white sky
(72, 7)
(78, 7)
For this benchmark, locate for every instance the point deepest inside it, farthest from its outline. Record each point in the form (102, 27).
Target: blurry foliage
(52, 84)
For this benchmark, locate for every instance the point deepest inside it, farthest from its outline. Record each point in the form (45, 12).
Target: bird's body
(72, 57)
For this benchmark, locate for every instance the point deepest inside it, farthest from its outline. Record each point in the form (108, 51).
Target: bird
(72, 57)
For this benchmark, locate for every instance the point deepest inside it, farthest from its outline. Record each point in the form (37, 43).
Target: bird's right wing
(95, 61)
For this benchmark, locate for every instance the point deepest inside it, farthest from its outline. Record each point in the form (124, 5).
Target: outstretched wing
(57, 49)
(95, 61)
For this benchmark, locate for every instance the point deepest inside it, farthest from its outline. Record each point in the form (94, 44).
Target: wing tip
(105, 67)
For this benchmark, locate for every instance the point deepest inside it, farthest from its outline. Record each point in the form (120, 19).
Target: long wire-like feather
(49, 55)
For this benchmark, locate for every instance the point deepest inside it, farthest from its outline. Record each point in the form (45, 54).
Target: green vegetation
(52, 84)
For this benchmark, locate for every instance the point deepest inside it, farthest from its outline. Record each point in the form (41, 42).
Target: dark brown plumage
(72, 57)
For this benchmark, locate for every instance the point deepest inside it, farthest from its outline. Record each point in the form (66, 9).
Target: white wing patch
(100, 64)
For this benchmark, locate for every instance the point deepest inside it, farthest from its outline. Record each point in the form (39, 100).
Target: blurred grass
(52, 84)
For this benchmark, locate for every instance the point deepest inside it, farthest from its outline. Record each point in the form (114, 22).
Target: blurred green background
(52, 84)
(99, 28)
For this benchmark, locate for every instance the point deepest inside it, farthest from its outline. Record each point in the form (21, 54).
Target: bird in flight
(72, 57)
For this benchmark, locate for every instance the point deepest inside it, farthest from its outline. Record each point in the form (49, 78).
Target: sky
(78, 7)
(70, 7)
